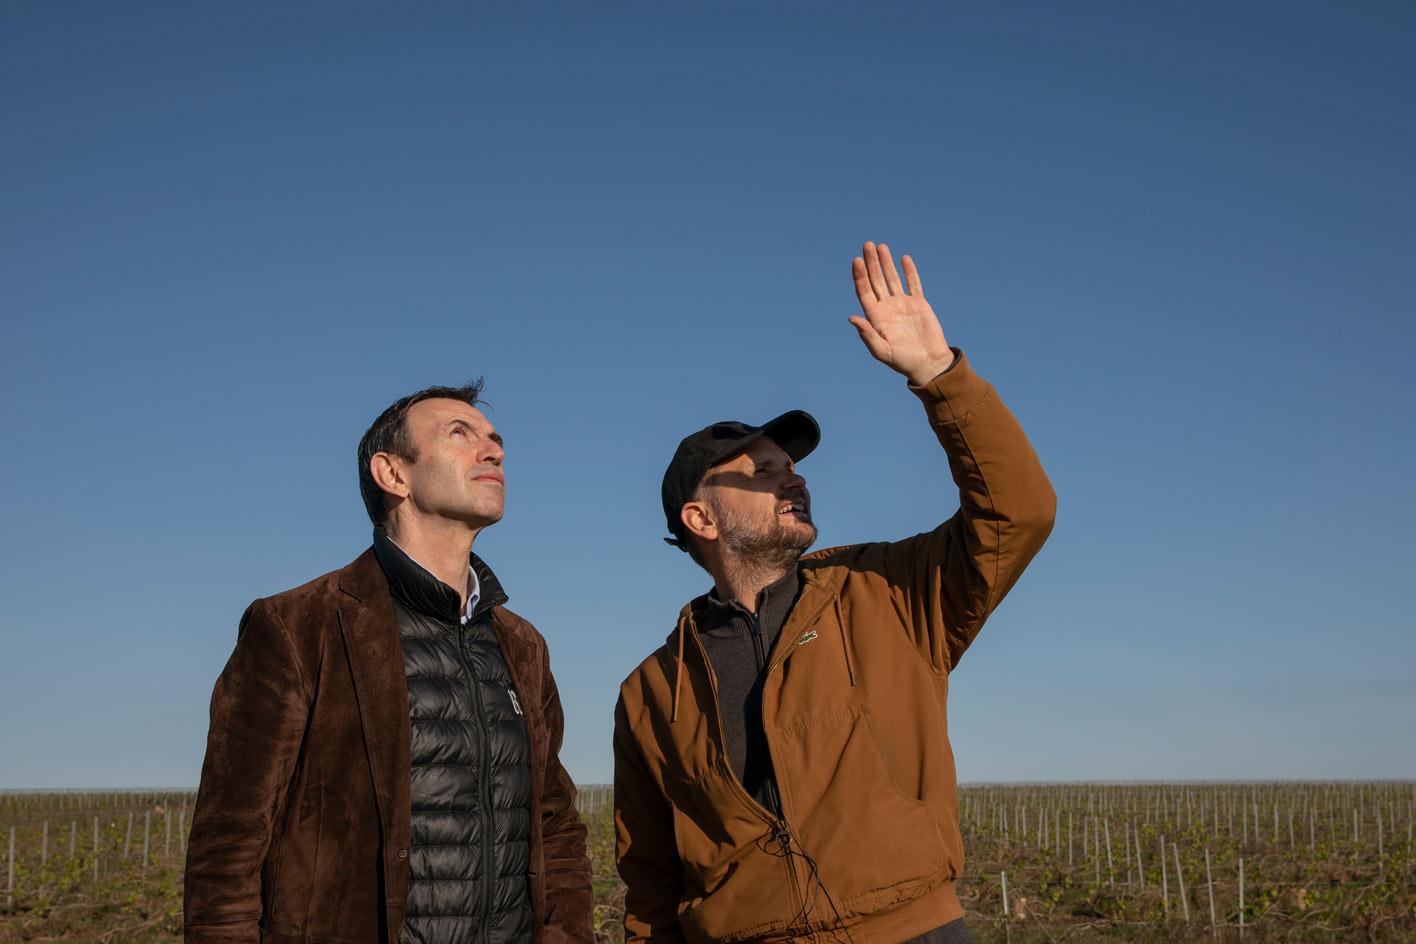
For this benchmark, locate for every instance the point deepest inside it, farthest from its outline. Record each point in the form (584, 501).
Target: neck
(744, 580)
(441, 547)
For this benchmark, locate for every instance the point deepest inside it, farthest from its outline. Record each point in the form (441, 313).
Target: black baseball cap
(795, 431)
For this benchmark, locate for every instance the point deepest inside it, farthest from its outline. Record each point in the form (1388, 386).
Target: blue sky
(1178, 240)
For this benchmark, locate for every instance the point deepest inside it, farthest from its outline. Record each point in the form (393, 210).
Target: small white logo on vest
(806, 637)
(515, 704)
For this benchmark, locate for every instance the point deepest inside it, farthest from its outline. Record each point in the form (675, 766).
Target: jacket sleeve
(258, 713)
(645, 852)
(947, 581)
(570, 904)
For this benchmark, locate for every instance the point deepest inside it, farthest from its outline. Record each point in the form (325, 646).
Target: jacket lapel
(370, 630)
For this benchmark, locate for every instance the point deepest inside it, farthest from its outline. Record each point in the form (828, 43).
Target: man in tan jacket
(782, 762)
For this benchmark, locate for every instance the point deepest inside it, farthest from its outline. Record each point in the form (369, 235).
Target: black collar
(413, 586)
(730, 618)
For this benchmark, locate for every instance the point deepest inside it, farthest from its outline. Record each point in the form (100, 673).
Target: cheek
(766, 512)
(440, 473)
(748, 512)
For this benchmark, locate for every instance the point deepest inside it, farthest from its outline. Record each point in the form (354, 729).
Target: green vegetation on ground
(1081, 862)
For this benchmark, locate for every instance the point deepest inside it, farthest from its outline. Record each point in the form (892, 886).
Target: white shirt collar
(474, 594)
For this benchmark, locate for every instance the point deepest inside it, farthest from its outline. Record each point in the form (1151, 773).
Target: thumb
(874, 342)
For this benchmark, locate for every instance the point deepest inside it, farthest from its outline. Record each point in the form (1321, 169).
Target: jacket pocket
(296, 858)
(737, 882)
(874, 845)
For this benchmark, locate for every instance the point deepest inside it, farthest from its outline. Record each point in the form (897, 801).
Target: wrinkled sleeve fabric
(645, 852)
(947, 581)
(258, 712)
(570, 903)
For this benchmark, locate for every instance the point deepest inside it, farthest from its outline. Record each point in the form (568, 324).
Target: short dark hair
(389, 433)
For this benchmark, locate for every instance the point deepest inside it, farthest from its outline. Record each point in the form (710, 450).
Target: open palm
(900, 330)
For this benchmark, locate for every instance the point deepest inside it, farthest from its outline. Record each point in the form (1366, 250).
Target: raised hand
(900, 330)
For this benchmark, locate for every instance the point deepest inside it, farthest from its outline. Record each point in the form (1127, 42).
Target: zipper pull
(783, 835)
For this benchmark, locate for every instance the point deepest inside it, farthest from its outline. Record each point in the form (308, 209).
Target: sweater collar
(412, 585)
(717, 617)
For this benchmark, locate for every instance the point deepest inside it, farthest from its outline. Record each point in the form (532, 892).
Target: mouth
(797, 508)
(491, 477)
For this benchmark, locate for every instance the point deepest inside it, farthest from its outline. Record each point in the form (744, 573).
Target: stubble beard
(770, 550)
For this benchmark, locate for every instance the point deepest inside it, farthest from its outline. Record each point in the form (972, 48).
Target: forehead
(436, 411)
(759, 452)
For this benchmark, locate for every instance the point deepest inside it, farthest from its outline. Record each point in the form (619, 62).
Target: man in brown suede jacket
(383, 761)
(782, 762)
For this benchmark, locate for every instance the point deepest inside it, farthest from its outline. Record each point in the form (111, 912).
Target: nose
(495, 452)
(794, 481)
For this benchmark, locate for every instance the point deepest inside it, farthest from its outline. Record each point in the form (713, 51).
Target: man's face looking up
(456, 470)
(760, 505)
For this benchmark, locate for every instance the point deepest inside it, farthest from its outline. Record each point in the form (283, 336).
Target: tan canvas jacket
(854, 707)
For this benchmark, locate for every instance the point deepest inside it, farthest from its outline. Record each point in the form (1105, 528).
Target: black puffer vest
(471, 776)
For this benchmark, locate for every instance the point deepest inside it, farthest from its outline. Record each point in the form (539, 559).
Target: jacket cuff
(950, 396)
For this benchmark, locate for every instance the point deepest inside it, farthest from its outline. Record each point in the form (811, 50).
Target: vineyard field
(1277, 862)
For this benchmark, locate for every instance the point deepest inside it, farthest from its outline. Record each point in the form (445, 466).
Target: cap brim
(795, 431)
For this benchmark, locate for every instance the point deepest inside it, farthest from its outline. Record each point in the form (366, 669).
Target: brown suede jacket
(301, 827)
(854, 710)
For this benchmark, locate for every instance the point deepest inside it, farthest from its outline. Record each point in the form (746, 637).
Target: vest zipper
(489, 860)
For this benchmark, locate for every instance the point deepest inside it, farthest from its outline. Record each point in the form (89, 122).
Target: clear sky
(1179, 240)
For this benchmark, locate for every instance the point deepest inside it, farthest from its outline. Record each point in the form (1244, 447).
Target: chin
(482, 517)
(803, 533)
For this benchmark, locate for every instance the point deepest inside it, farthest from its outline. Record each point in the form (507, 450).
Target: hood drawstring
(678, 674)
(845, 642)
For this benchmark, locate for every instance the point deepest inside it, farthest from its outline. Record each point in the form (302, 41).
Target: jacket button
(403, 853)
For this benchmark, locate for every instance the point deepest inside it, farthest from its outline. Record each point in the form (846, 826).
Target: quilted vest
(471, 774)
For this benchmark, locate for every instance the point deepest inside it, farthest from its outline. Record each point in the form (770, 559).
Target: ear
(698, 518)
(390, 473)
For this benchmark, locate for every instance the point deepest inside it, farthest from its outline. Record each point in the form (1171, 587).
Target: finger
(874, 342)
(872, 268)
(912, 277)
(887, 266)
(864, 292)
